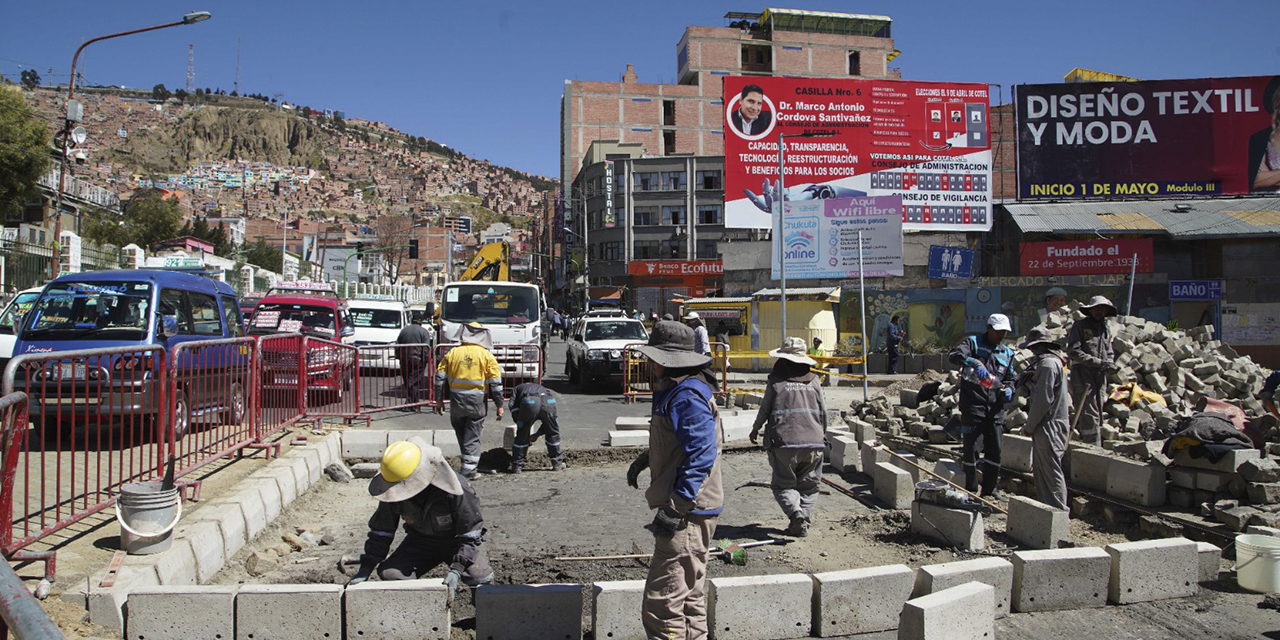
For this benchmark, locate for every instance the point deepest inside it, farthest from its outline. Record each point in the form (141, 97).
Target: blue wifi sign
(800, 238)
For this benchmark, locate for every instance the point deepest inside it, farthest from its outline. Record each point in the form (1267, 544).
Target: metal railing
(520, 363)
(20, 612)
(212, 387)
(637, 375)
(395, 376)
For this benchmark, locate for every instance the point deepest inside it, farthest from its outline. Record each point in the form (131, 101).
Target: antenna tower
(236, 88)
(191, 67)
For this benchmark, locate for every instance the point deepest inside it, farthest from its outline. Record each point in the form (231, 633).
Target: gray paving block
(1211, 560)
(284, 477)
(1214, 481)
(1183, 477)
(509, 437)
(844, 453)
(106, 606)
(268, 492)
(965, 612)
(231, 521)
(175, 565)
(735, 604)
(907, 461)
(398, 610)
(615, 612)
(628, 438)
(1015, 453)
(310, 455)
(289, 612)
(1089, 466)
(862, 431)
(180, 613)
(1057, 579)
(529, 611)
(206, 543)
(631, 423)
(859, 600)
(892, 485)
(1035, 525)
(1229, 462)
(996, 572)
(949, 469)
(871, 454)
(1139, 482)
(1153, 570)
(363, 444)
(951, 527)
(301, 475)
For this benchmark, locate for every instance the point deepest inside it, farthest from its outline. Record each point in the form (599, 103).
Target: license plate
(72, 371)
(286, 379)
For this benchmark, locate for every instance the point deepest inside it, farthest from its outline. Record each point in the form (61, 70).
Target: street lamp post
(782, 207)
(74, 115)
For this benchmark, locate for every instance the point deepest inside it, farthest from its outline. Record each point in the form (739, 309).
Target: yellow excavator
(492, 262)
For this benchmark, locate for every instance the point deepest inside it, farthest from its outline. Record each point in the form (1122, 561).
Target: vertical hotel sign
(610, 216)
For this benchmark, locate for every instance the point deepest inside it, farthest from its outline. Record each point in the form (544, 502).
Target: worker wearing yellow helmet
(474, 377)
(441, 515)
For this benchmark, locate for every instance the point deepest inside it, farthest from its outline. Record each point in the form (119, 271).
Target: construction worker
(892, 341)
(1092, 358)
(441, 514)
(684, 483)
(1047, 417)
(413, 359)
(794, 417)
(532, 402)
(701, 342)
(470, 369)
(816, 351)
(985, 387)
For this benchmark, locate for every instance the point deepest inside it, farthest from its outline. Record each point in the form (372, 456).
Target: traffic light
(413, 249)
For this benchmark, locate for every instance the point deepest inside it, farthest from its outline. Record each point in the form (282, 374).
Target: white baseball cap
(999, 322)
(692, 315)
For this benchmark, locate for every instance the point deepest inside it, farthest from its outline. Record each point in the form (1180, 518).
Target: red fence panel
(212, 389)
(331, 386)
(280, 399)
(395, 376)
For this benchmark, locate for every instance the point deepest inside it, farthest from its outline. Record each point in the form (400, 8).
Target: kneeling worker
(531, 402)
(441, 514)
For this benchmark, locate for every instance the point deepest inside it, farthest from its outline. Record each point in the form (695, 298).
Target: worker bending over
(530, 403)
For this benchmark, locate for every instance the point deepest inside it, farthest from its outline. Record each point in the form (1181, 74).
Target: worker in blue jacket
(986, 385)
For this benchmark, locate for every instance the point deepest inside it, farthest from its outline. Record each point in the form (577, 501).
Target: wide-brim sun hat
(475, 333)
(793, 349)
(432, 469)
(1039, 336)
(692, 315)
(671, 345)
(1100, 300)
(999, 322)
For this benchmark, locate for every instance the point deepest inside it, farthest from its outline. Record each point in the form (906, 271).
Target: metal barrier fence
(279, 399)
(637, 376)
(212, 389)
(19, 610)
(395, 376)
(520, 363)
(331, 386)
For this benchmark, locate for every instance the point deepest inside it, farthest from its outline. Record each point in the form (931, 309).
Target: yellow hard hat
(400, 460)
(475, 324)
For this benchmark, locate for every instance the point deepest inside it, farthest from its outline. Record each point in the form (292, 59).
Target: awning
(1181, 219)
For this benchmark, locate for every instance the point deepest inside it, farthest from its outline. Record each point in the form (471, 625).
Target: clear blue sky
(486, 77)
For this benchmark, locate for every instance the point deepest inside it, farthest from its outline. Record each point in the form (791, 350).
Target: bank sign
(1085, 257)
(1195, 290)
(820, 238)
(1102, 140)
(675, 268)
(926, 142)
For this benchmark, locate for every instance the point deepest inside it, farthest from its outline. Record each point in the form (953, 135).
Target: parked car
(378, 323)
(17, 307)
(596, 345)
(133, 308)
(314, 311)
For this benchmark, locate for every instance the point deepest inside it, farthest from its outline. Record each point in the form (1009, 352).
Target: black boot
(971, 478)
(556, 455)
(990, 476)
(518, 454)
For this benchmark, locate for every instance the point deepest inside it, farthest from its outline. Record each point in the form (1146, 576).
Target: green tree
(24, 151)
(30, 79)
(261, 254)
(159, 92)
(148, 218)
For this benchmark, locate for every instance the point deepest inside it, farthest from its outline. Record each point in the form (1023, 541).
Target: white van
(20, 304)
(378, 322)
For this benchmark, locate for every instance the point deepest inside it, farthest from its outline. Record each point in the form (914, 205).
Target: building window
(855, 63)
(674, 249)
(669, 113)
(648, 250)
(611, 251)
(646, 181)
(646, 216)
(709, 180)
(708, 214)
(708, 250)
(673, 180)
(668, 142)
(673, 215)
(620, 213)
(757, 57)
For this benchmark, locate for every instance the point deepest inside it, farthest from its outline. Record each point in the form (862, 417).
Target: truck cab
(511, 311)
(314, 311)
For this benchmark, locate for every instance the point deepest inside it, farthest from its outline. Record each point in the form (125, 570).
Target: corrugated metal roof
(1183, 219)
(716, 300)
(799, 291)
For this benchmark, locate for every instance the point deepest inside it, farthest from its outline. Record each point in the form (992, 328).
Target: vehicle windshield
(490, 303)
(70, 310)
(377, 318)
(20, 305)
(293, 318)
(620, 330)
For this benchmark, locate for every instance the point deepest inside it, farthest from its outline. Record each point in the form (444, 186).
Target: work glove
(363, 574)
(1007, 394)
(980, 370)
(666, 521)
(451, 581)
(633, 473)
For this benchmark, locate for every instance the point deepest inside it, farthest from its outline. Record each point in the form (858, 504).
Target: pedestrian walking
(413, 358)
(1092, 359)
(441, 516)
(987, 372)
(1047, 417)
(701, 343)
(684, 483)
(530, 403)
(892, 341)
(473, 376)
(794, 416)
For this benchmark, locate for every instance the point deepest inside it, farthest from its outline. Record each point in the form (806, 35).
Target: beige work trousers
(675, 596)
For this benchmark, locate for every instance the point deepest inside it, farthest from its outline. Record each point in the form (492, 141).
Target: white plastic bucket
(1258, 562)
(147, 514)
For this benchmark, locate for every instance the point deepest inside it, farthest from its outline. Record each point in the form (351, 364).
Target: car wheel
(181, 415)
(235, 410)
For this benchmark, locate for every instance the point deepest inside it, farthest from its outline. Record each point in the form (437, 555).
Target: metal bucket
(147, 514)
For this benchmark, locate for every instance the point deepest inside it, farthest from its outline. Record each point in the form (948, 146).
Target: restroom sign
(1195, 289)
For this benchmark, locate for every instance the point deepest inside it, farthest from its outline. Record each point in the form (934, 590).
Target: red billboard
(1085, 257)
(675, 268)
(1104, 140)
(924, 141)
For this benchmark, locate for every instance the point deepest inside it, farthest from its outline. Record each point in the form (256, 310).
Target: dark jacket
(413, 333)
(1089, 347)
(793, 412)
(975, 400)
(435, 514)
(758, 126)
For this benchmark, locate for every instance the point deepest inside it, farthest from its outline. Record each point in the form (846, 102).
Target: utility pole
(236, 86)
(191, 68)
